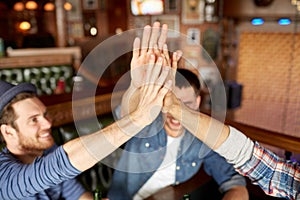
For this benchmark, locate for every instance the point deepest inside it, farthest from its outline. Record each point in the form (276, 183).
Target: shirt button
(177, 167)
(147, 145)
(194, 164)
(177, 183)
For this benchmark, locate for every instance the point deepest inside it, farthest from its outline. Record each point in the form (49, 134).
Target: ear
(7, 131)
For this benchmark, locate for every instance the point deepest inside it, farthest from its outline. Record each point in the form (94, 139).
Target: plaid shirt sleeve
(276, 176)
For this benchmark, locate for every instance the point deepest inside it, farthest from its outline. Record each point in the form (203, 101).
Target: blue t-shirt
(51, 176)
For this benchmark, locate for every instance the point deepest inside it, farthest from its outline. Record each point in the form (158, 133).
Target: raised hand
(153, 90)
(153, 41)
(170, 100)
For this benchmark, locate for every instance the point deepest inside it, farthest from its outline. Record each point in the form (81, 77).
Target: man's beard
(29, 145)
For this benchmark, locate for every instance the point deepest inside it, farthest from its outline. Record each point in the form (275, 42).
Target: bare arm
(210, 131)
(86, 151)
(86, 196)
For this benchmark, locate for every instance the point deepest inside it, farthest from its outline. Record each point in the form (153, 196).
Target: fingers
(166, 55)
(175, 59)
(179, 54)
(149, 70)
(145, 39)
(136, 48)
(163, 78)
(157, 86)
(154, 34)
(163, 36)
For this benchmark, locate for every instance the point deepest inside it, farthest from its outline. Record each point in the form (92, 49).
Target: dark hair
(8, 115)
(186, 78)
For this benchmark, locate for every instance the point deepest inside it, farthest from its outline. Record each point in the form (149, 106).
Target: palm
(152, 39)
(137, 72)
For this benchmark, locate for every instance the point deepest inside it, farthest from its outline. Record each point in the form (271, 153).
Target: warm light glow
(119, 30)
(19, 6)
(31, 5)
(24, 26)
(93, 31)
(149, 7)
(49, 6)
(68, 6)
(294, 2)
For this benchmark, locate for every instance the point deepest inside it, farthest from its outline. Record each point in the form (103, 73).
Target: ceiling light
(68, 6)
(31, 5)
(49, 6)
(284, 21)
(19, 6)
(257, 21)
(24, 26)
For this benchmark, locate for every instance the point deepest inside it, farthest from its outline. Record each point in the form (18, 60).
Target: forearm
(210, 131)
(227, 141)
(86, 151)
(237, 193)
(86, 196)
(129, 100)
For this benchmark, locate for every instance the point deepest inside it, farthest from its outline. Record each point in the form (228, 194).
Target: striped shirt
(49, 177)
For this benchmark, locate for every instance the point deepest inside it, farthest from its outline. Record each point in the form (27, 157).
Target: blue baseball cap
(8, 91)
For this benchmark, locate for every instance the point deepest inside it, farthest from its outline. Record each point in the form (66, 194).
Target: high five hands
(152, 48)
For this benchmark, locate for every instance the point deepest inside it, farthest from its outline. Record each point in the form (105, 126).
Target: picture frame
(172, 6)
(193, 36)
(172, 21)
(75, 14)
(102, 5)
(90, 4)
(193, 11)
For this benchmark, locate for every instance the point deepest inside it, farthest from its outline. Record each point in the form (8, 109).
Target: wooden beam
(62, 113)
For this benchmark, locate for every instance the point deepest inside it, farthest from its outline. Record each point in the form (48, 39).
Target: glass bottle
(186, 197)
(2, 48)
(97, 194)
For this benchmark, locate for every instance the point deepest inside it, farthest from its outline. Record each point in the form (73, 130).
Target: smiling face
(190, 99)
(32, 134)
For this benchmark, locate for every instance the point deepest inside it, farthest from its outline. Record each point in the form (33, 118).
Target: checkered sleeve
(276, 176)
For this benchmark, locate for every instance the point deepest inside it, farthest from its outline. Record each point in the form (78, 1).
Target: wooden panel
(62, 113)
(247, 8)
(35, 61)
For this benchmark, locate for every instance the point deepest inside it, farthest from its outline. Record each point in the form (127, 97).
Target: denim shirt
(144, 153)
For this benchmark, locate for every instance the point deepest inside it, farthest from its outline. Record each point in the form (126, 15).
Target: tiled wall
(269, 69)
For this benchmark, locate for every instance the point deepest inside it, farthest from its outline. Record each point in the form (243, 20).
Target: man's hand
(154, 88)
(152, 42)
(171, 100)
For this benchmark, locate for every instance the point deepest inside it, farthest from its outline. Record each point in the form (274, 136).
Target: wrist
(132, 86)
(139, 119)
